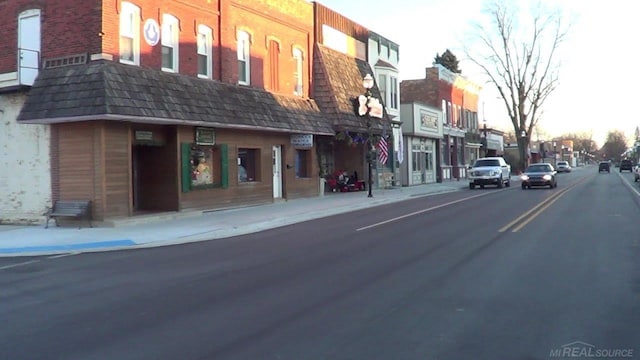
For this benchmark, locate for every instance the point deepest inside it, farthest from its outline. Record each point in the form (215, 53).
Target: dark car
(604, 166)
(626, 165)
(539, 174)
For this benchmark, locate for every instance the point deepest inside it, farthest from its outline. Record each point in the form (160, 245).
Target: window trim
(208, 36)
(173, 42)
(133, 11)
(244, 39)
(298, 74)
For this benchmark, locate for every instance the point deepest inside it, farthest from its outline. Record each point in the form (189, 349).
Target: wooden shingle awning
(105, 90)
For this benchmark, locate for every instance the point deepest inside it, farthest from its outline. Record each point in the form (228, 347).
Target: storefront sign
(205, 136)
(144, 135)
(304, 141)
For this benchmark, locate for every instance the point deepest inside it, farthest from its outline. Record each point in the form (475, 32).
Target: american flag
(384, 150)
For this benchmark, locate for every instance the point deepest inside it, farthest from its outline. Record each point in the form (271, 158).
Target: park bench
(76, 209)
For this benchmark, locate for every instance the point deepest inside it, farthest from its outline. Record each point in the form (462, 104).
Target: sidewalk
(182, 228)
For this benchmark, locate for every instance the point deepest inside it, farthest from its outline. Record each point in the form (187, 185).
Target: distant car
(539, 174)
(604, 166)
(636, 172)
(626, 165)
(563, 166)
(489, 171)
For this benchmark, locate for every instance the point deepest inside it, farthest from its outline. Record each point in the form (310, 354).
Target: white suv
(490, 171)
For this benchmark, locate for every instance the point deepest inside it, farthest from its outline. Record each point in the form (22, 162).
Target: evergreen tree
(449, 61)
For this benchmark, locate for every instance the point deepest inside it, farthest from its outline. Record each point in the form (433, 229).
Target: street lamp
(485, 141)
(523, 136)
(369, 106)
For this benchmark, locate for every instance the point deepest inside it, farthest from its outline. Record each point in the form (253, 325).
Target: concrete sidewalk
(167, 229)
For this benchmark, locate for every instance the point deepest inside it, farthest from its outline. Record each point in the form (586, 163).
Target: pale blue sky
(595, 93)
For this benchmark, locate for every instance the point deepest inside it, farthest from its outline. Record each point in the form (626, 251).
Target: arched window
(205, 52)
(170, 43)
(130, 34)
(244, 58)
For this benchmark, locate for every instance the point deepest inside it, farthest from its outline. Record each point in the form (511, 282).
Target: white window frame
(130, 28)
(205, 34)
(244, 56)
(30, 51)
(171, 39)
(393, 92)
(298, 76)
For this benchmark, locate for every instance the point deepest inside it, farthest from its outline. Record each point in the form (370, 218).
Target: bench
(77, 209)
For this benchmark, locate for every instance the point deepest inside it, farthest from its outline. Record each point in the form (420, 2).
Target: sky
(597, 79)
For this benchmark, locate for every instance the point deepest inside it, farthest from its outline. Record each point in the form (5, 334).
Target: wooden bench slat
(70, 208)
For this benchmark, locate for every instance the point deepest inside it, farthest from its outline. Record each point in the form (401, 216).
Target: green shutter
(186, 167)
(224, 161)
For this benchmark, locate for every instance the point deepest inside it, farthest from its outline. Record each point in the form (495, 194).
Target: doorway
(277, 171)
(151, 183)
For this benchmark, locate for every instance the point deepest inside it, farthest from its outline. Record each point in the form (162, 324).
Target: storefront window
(202, 166)
(303, 160)
(247, 165)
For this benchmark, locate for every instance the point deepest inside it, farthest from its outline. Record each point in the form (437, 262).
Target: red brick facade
(93, 27)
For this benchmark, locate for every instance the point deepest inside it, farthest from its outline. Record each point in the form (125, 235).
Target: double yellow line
(530, 215)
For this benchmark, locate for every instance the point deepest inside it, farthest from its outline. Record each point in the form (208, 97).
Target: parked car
(604, 166)
(539, 174)
(626, 165)
(636, 172)
(489, 171)
(563, 166)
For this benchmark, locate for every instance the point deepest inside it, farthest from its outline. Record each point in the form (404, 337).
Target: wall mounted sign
(428, 120)
(205, 136)
(302, 141)
(143, 135)
(151, 32)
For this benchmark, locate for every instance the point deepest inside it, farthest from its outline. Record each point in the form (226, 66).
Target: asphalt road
(477, 274)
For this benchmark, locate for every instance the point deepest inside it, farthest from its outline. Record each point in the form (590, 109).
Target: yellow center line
(537, 210)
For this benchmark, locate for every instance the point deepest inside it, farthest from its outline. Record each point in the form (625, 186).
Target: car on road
(563, 166)
(539, 174)
(636, 172)
(626, 165)
(489, 171)
(604, 166)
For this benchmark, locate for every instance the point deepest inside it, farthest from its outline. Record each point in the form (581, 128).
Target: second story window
(382, 86)
(298, 73)
(274, 64)
(28, 46)
(130, 34)
(244, 59)
(393, 92)
(205, 52)
(170, 42)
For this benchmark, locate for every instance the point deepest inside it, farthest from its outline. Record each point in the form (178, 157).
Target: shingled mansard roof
(105, 90)
(337, 84)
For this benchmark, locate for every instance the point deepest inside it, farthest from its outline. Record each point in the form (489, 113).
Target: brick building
(147, 106)
(456, 99)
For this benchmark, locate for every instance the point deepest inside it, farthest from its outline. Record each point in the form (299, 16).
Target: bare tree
(520, 60)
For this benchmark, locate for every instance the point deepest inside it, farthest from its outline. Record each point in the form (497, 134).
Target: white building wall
(25, 168)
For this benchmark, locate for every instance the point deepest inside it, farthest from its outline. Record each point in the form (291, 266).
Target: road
(476, 274)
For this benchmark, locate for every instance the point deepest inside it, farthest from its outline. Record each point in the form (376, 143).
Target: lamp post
(523, 155)
(485, 141)
(542, 150)
(369, 106)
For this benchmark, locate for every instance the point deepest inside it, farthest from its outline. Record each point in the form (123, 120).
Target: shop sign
(144, 135)
(304, 141)
(205, 136)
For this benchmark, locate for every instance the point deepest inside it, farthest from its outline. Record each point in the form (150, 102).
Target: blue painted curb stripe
(70, 247)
